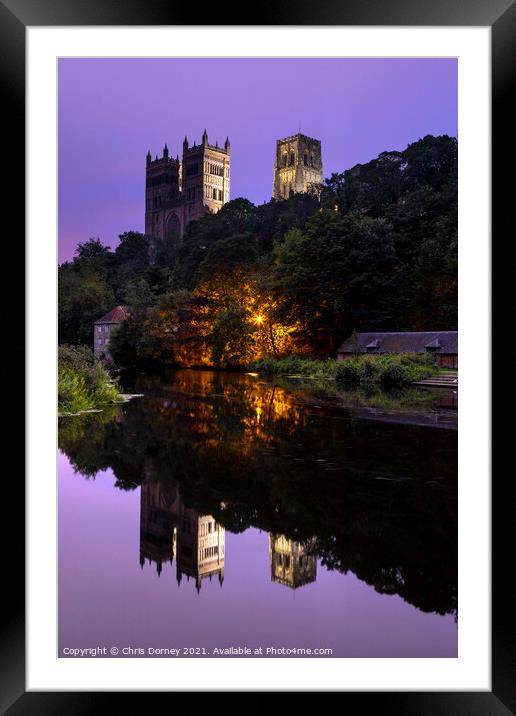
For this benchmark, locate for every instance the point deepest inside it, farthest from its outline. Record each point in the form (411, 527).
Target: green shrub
(297, 365)
(390, 370)
(83, 382)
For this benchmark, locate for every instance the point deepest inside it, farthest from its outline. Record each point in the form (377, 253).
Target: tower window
(284, 160)
(292, 158)
(305, 159)
(216, 169)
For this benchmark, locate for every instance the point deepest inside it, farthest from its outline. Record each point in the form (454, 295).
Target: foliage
(232, 340)
(83, 381)
(387, 369)
(336, 275)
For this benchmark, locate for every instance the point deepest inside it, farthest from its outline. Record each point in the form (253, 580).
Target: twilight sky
(111, 111)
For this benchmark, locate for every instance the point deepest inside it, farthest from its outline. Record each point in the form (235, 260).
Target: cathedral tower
(297, 166)
(162, 187)
(179, 191)
(205, 177)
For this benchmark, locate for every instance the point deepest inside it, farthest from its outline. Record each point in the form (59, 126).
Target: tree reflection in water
(376, 498)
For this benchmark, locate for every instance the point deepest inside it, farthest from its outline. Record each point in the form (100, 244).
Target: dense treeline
(376, 251)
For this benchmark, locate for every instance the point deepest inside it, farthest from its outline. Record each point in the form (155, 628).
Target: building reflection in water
(169, 530)
(291, 564)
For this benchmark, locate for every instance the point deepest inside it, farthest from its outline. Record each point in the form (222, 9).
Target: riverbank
(83, 384)
(364, 370)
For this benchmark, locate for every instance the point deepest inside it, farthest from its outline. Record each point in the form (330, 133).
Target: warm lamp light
(258, 319)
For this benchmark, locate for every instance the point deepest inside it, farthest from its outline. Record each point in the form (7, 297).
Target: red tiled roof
(117, 315)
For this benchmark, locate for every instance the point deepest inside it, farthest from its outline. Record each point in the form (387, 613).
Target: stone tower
(205, 177)
(297, 166)
(162, 188)
(179, 191)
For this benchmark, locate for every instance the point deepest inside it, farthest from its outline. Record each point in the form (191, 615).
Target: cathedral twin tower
(178, 191)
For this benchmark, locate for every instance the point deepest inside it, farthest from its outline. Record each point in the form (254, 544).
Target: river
(223, 511)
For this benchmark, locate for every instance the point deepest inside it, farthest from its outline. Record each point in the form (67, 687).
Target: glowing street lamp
(258, 319)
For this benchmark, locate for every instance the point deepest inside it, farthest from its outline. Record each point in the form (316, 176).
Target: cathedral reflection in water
(170, 530)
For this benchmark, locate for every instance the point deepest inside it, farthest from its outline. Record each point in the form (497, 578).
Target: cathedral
(178, 191)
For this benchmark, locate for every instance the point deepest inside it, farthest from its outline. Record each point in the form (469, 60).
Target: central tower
(297, 166)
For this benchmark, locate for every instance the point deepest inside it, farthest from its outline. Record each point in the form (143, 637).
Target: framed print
(269, 243)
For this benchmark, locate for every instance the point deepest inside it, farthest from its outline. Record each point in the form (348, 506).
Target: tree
(337, 274)
(93, 248)
(232, 340)
(226, 254)
(83, 297)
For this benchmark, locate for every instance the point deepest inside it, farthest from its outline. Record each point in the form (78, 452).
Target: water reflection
(216, 452)
(291, 562)
(170, 530)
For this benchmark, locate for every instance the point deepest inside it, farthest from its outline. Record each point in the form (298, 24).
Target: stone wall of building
(102, 335)
(297, 165)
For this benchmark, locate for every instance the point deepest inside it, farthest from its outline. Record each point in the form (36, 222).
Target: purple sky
(111, 111)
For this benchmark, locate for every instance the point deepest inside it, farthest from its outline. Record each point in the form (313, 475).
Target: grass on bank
(386, 370)
(83, 381)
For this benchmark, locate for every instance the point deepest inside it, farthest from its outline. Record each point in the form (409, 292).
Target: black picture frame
(500, 15)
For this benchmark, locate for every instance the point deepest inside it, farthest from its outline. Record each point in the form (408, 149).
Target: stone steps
(443, 380)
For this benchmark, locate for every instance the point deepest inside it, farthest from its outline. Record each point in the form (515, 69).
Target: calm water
(222, 511)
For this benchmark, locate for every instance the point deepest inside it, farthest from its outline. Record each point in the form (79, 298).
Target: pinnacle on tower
(205, 137)
(226, 144)
(185, 142)
(165, 152)
(149, 158)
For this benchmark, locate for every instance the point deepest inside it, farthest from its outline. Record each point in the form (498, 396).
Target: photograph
(257, 354)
